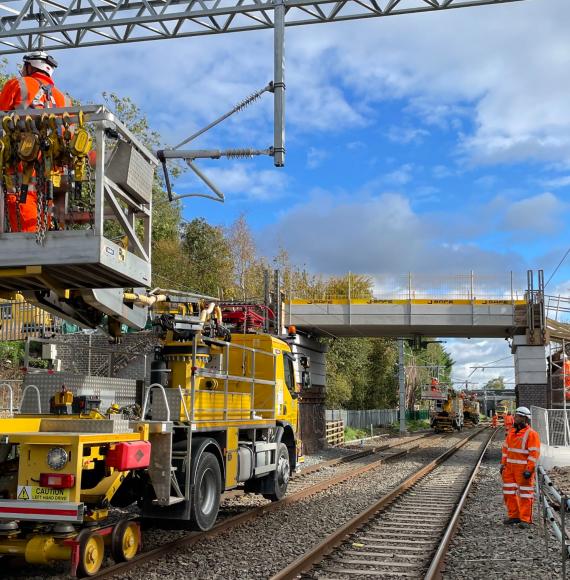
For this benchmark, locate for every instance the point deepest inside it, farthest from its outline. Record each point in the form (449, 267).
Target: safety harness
(43, 99)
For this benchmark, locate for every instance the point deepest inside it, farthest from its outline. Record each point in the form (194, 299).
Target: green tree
(248, 267)
(382, 389)
(4, 76)
(166, 215)
(347, 371)
(210, 257)
(496, 384)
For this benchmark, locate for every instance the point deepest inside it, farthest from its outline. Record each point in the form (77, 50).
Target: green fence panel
(417, 415)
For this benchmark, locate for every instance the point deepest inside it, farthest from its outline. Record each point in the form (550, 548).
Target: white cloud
(497, 74)
(381, 233)
(315, 157)
(239, 181)
(540, 213)
(355, 145)
(441, 172)
(486, 181)
(480, 353)
(557, 182)
(406, 135)
(399, 176)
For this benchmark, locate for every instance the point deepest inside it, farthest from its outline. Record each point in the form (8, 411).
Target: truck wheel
(280, 476)
(206, 492)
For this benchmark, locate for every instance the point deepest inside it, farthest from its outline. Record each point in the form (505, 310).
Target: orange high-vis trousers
(518, 492)
(22, 216)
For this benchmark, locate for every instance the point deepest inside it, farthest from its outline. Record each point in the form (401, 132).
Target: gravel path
(485, 548)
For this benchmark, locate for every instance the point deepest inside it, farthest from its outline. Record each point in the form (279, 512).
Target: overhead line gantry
(59, 24)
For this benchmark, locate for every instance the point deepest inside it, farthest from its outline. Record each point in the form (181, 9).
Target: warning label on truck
(35, 493)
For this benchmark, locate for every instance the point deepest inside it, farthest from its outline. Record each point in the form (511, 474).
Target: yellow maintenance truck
(447, 413)
(220, 410)
(217, 415)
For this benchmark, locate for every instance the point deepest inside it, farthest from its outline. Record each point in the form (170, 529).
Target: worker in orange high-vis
(509, 421)
(35, 89)
(521, 451)
(495, 420)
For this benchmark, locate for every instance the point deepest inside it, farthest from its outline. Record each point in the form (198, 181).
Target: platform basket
(111, 248)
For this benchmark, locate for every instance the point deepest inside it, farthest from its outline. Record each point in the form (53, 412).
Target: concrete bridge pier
(530, 373)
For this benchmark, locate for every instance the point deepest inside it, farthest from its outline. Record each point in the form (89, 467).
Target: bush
(11, 354)
(350, 434)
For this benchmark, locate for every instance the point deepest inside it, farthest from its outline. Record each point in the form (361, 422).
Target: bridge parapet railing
(557, 308)
(470, 287)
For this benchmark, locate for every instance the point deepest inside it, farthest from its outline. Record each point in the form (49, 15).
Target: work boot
(511, 521)
(524, 525)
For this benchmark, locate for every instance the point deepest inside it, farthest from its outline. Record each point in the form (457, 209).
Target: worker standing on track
(521, 451)
(494, 420)
(509, 422)
(35, 89)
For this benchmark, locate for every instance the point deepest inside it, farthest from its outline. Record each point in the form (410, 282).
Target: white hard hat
(524, 411)
(41, 60)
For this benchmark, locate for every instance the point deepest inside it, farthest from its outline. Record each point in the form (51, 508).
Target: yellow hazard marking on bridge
(420, 301)
(36, 493)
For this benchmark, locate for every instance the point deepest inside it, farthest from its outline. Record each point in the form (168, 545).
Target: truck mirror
(294, 395)
(304, 361)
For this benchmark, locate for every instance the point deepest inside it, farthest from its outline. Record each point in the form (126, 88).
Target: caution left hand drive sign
(36, 493)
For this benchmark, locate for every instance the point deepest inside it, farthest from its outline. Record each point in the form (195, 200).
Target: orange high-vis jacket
(509, 421)
(36, 91)
(521, 449)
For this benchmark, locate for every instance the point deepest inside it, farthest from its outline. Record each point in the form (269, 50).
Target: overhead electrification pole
(402, 385)
(279, 83)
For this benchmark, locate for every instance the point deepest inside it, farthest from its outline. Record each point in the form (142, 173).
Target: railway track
(306, 483)
(406, 533)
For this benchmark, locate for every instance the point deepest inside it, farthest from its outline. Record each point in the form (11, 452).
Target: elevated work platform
(98, 231)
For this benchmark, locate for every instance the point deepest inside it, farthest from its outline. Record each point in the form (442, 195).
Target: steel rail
(434, 571)
(339, 461)
(231, 522)
(318, 552)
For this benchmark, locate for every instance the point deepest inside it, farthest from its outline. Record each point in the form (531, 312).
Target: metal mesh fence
(552, 425)
(470, 286)
(363, 419)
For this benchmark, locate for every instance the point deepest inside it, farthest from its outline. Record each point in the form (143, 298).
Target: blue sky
(436, 143)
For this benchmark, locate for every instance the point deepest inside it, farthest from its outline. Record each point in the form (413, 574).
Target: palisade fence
(362, 419)
(20, 320)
